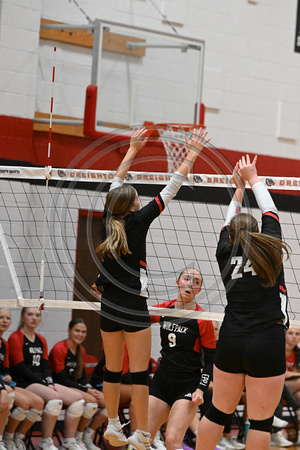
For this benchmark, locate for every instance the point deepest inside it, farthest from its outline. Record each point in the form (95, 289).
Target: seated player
(29, 366)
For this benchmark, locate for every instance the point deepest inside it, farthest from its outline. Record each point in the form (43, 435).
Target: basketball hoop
(173, 135)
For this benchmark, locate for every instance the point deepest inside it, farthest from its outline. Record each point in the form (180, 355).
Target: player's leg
(181, 417)
(227, 391)
(263, 395)
(158, 414)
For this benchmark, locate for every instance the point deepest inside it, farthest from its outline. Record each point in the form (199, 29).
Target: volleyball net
(184, 236)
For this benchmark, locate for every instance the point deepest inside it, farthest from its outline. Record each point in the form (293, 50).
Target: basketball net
(173, 138)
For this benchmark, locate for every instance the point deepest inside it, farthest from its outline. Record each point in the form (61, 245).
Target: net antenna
(48, 169)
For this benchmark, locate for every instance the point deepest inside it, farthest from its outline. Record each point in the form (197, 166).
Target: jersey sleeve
(224, 241)
(208, 342)
(271, 224)
(5, 364)
(57, 358)
(234, 209)
(173, 186)
(15, 345)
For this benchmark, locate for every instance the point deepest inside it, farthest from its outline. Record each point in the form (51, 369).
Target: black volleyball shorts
(260, 355)
(164, 386)
(121, 310)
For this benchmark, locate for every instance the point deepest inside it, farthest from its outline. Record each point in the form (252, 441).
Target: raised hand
(198, 141)
(138, 139)
(247, 168)
(236, 177)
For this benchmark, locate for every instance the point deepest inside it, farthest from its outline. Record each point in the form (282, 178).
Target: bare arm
(235, 205)
(249, 173)
(195, 147)
(137, 142)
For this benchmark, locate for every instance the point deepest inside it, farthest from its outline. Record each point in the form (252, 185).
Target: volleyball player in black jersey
(67, 360)
(185, 370)
(251, 346)
(123, 283)
(29, 366)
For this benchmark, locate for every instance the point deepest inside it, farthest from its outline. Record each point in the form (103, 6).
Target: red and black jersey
(250, 306)
(290, 361)
(29, 360)
(188, 345)
(63, 365)
(4, 358)
(129, 271)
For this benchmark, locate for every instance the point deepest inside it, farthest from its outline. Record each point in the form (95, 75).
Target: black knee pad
(217, 416)
(112, 377)
(262, 425)
(140, 377)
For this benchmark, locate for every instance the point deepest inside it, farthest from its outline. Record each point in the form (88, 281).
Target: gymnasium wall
(251, 85)
(251, 76)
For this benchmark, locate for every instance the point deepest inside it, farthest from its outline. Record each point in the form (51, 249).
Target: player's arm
(248, 172)
(195, 146)
(137, 142)
(235, 205)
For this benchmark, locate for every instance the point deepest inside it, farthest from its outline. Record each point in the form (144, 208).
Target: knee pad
(11, 399)
(112, 377)
(76, 408)
(261, 425)
(89, 410)
(217, 416)
(34, 414)
(53, 407)
(140, 377)
(19, 414)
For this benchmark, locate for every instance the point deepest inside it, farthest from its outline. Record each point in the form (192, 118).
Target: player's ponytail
(265, 252)
(118, 202)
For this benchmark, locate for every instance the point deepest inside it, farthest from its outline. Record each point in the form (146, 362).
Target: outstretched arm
(235, 205)
(249, 173)
(137, 142)
(195, 146)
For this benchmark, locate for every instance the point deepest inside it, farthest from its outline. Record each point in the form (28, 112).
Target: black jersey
(183, 341)
(250, 306)
(63, 365)
(29, 360)
(128, 272)
(4, 358)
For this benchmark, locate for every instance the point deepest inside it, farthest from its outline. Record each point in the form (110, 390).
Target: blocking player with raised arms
(30, 369)
(251, 346)
(180, 381)
(123, 283)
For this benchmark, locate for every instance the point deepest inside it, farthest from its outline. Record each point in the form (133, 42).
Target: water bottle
(247, 426)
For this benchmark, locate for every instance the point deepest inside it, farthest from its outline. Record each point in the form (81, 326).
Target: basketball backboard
(145, 75)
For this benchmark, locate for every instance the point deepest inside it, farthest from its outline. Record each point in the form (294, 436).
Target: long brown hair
(23, 311)
(118, 202)
(265, 252)
(79, 357)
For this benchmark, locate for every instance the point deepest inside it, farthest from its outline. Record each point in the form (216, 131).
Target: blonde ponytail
(116, 241)
(118, 203)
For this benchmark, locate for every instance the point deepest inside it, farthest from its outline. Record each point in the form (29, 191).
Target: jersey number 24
(239, 270)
